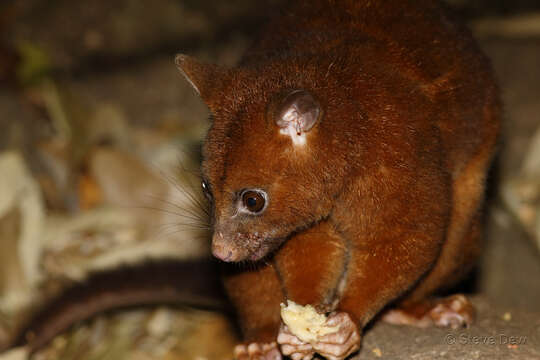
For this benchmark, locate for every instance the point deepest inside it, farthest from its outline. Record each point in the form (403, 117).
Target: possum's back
(421, 40)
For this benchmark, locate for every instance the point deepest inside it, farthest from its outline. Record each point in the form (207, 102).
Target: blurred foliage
(34, 64)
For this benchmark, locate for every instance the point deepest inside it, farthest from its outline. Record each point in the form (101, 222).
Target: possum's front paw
(292, 346)
(336, 345)
(257, 351)
(340, 344)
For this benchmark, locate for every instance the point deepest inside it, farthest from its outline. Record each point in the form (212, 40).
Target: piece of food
(305, 322)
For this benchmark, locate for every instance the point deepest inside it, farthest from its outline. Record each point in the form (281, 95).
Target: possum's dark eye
(253, 201)
(206, 190)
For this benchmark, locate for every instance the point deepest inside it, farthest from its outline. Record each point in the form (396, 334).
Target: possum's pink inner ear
(202, 77)
(298, 112)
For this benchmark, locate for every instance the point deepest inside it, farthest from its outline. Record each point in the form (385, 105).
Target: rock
(490, 337)
(15, 354)
(520, 91)
(22, 215)
(519, 160)
(521, 193)
(510, 261)
(13, 283)
(519, 26)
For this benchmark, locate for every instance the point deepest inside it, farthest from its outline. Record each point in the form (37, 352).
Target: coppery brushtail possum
(346, 162)
(347, 156)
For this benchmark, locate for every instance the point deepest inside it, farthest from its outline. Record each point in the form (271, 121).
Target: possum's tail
(192, 283)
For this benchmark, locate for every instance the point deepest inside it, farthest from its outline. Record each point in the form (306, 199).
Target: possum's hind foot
(454, 311)
(257, 351)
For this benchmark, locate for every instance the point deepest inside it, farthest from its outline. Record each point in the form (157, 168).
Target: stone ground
(113, 70)
(498, 333)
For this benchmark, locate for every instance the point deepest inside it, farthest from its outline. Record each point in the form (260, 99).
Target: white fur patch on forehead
(297, 138)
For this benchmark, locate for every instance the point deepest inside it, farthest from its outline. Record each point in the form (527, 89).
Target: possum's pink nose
(219, 249)
(221, 253)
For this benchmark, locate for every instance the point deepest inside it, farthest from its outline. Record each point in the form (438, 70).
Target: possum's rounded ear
(202, 77)
(298, 111)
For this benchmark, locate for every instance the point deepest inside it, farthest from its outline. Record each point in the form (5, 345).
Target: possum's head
(271, 164)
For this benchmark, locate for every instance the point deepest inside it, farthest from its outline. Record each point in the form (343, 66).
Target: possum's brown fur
(385, 198)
